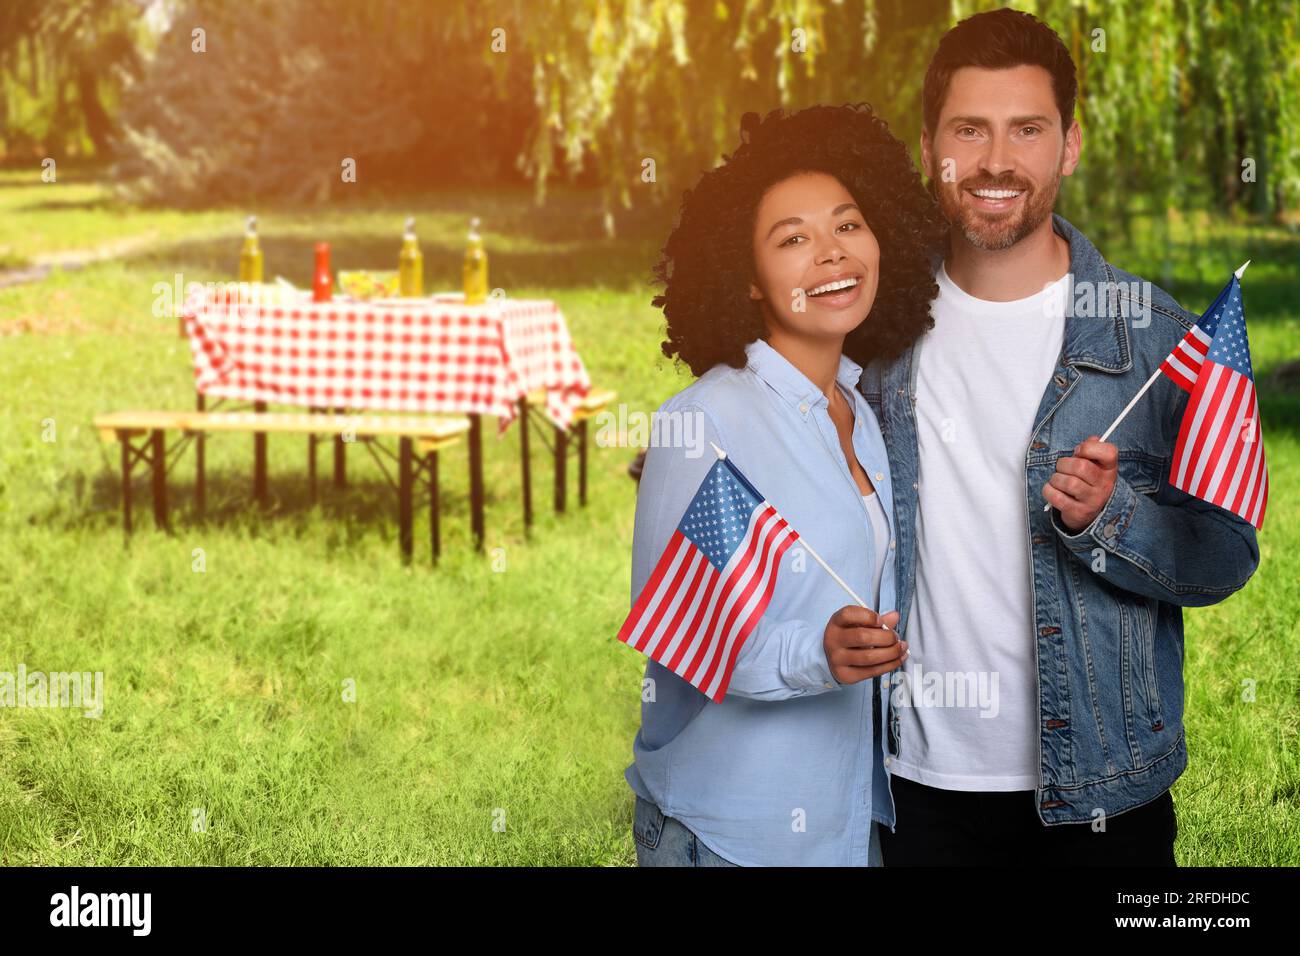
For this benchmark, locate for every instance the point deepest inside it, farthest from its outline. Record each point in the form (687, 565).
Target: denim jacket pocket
(1139, 621)
(1142, 471)
(647, 823)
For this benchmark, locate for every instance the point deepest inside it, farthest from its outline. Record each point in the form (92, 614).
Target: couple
(910, 383)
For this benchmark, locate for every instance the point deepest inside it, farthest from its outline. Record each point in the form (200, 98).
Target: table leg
(404, 482)
(561, 457)
(582, 463)
(159, 455)
(340, 456)
(200, 462)
(435, 544)
(311, 464)
(259, 460)
(477, 522)
(527, 463)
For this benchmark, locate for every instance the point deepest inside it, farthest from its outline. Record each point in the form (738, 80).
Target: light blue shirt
(786, 769)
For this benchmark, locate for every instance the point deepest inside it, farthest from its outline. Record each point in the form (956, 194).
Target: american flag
(1220, 452)
(712, 583)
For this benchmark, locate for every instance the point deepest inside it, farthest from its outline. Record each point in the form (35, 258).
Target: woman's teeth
(833, 286)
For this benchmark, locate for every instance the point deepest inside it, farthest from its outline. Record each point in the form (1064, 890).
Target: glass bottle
(250, 256)
(474, 273)
(410, 264)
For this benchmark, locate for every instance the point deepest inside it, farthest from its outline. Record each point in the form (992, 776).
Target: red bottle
(322, 284)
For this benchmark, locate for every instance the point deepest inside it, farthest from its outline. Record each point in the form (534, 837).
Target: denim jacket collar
(790, 383)
(1098, 339)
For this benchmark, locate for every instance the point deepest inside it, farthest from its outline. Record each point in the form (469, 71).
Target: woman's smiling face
(816, 261)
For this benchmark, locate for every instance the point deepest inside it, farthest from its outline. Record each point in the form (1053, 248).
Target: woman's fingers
(871, 655)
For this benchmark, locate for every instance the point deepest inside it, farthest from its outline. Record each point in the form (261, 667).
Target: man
(1052, 732)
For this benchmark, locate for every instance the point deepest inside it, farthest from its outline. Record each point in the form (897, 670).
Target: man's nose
(997, 158)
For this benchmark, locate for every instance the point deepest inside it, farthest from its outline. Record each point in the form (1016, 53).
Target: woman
(803, 256)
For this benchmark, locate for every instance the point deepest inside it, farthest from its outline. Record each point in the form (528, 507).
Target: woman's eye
(853, 224)
(786, 242)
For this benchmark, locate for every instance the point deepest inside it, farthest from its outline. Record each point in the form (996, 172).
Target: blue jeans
(662, 841)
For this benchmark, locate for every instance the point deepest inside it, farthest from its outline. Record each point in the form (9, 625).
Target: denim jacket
(1108, 627)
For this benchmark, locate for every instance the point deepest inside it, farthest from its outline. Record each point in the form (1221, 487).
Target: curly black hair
(707, 263)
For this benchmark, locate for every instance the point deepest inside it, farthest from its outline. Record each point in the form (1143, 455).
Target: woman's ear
(754, 292)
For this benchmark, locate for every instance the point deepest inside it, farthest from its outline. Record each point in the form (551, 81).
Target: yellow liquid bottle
(410, 264)
(250, 256)
(475, 270)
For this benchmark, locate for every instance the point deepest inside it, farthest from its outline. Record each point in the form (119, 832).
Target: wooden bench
(420, 438)
(595, 401)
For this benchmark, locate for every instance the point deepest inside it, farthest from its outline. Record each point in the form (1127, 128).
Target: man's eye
(965, 129)
(1031, 130)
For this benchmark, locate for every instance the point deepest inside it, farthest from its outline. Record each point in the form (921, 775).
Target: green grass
(491, 685)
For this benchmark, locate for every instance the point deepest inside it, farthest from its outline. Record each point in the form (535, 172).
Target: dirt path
(71, 259)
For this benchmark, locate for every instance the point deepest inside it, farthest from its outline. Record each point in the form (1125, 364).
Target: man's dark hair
(998, 40)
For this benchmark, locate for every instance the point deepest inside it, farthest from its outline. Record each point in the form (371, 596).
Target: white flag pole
(818, 558)
(1151, 381)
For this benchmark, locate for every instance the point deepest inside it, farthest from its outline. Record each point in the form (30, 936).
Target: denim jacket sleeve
(1177, 548)
(782, 658)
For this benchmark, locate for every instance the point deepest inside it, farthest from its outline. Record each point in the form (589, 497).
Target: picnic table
(428, 355)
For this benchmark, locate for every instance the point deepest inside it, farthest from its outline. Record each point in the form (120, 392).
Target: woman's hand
(860, 643)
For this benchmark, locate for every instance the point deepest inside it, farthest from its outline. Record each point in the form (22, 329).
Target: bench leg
(561, 460)
(527, 464)
(159, 459)
(259, 460)
(406, 479)
(125, 440)
(582, 463)
(477, 522)
(435, 543)
(200, 464)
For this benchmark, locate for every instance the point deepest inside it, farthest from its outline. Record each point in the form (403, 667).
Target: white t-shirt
(969, 712)
(880, 533)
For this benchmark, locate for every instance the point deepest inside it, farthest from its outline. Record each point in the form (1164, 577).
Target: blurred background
(136, 136)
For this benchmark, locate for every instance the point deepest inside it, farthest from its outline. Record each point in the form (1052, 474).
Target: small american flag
(712, 583)
(1220, 452)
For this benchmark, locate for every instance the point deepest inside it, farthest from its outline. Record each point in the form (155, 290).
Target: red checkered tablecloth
(424, 355)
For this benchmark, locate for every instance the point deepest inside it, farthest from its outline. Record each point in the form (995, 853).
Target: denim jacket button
(1109, 530)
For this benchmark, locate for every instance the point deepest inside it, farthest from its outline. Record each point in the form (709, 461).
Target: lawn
(494, 711)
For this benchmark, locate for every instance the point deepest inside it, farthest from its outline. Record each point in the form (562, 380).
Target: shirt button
(804, 408)
(829, 684)
(888, 761)
(880, 476)
(891, 545)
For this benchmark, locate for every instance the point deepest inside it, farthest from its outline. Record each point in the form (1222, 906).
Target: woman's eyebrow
(795, 220)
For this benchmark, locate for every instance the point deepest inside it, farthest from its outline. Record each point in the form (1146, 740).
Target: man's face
(998, 153)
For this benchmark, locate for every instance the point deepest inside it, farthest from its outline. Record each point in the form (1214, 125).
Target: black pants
(958, 828)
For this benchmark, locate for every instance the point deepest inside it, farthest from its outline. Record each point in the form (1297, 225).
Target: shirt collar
(790, 383)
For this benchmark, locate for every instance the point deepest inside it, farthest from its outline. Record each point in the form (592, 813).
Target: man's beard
(1002, 231)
